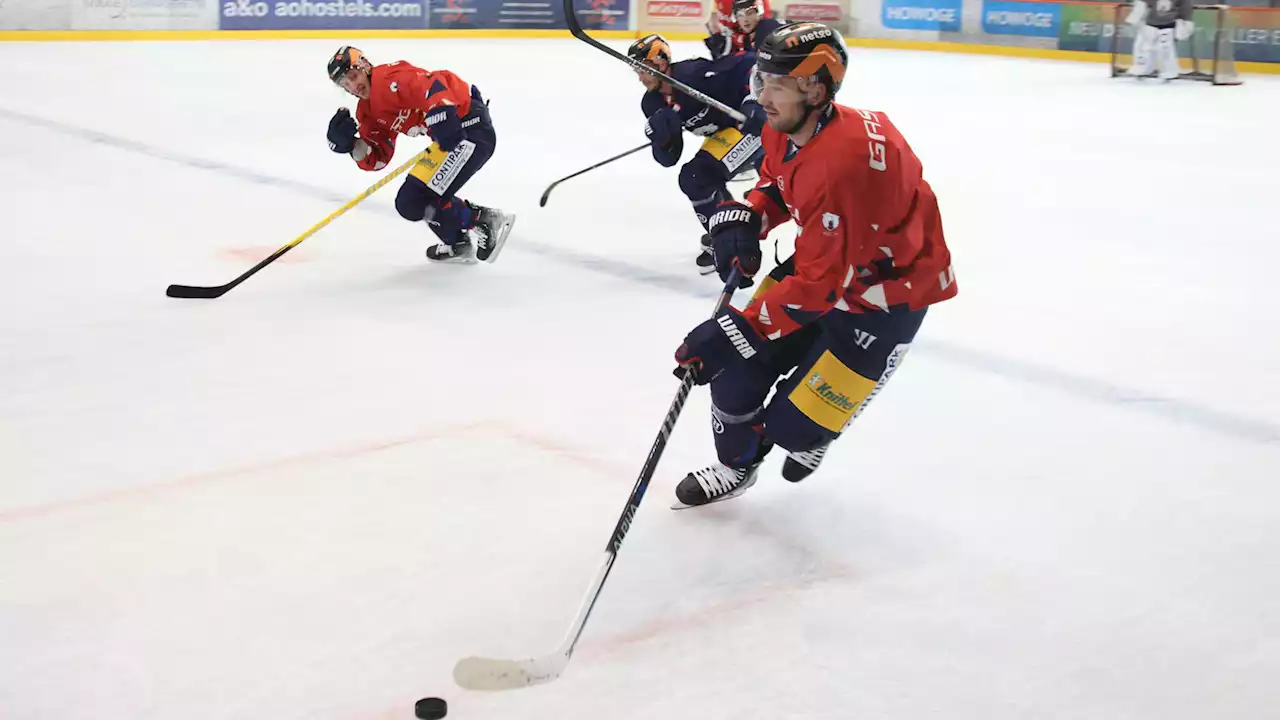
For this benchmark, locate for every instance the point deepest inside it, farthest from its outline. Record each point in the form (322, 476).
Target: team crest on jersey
(395, 87)
(830, 221)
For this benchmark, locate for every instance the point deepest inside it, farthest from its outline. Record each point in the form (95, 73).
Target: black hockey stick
(482, 673)
(576, 28)
(552, 186)
(198, 291)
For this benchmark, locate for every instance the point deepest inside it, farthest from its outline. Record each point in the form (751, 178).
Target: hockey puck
(431, 708)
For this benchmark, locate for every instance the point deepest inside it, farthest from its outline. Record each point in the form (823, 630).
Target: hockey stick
(576, 28)
(552, 186)
(483, 673)
(197, 291)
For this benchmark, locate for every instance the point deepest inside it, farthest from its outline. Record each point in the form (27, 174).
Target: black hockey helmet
(743, 5)
(342, 61)
(803, 50)
(650, 48)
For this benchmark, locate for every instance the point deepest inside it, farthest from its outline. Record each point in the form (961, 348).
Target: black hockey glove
(664, 129)
(719, 343)
(342, 132)
(756, 116)
(663, 126)
(735, 239)
(446, 128)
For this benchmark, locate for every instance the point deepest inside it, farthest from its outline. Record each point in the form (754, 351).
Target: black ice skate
(459, 252)
(713, 484)
(801, 465)
(490, 232)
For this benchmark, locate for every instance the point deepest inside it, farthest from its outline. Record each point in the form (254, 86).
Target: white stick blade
(479, 673)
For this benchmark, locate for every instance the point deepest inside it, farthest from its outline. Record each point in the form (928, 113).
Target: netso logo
(795, 40)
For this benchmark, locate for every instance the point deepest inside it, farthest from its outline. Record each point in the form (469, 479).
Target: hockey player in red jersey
(840, 314)
(401, 99)
(748, 23)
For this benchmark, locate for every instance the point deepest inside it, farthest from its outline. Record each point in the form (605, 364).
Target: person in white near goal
(1157, 28)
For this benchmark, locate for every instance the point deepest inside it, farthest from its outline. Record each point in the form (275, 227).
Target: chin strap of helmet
(804, 118)
(809, 109)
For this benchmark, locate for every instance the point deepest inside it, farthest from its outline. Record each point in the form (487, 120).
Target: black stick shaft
(650, 466)
(619, 156)
(575, 27)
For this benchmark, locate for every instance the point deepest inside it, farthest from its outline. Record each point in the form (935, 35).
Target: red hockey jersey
(401, 96)
(870, 231)
(724, 13)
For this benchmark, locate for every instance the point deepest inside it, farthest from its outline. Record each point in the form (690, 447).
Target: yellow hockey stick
(196, 291)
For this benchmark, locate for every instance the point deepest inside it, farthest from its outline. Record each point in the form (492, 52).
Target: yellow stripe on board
(881, 43)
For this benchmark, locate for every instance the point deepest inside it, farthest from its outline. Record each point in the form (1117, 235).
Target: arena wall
(1026, 28)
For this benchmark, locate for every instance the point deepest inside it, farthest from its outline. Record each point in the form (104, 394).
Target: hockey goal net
(1207, 55)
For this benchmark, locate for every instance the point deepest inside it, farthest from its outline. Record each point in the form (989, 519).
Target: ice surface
(308, 498)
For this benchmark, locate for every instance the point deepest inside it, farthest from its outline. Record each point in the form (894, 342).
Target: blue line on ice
(1079, 386)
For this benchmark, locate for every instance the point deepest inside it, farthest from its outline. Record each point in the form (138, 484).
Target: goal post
(1208, 55)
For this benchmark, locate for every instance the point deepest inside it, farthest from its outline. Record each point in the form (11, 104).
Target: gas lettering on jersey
(875, 140)
(401, 117)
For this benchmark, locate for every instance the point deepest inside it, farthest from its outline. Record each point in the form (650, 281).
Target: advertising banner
(1254, 35)
(813, 12)
(674, 9)
(604, 14)
(527, 14)
(35, 14)
(493, 14)
(322, 14)
(1089, 28)
(672, 15)
(144, 14)
(933, 15)
(1032, 19)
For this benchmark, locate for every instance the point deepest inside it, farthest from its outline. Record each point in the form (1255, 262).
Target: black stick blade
(192, 291)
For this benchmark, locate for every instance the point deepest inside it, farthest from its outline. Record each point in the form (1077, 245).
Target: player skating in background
(1157, 28)
(840, 314)
(399, 98)
(727, 150)
(736, 25)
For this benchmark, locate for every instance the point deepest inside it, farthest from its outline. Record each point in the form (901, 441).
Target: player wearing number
(751, 23)
(1156, 30)
(401, 99)
(727, 150)
(840, 314)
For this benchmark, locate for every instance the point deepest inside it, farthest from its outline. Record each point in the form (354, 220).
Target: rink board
(883, 43)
